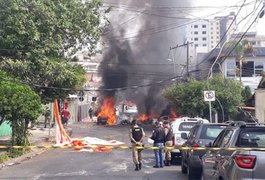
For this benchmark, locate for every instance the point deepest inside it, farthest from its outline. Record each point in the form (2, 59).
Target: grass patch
(4, 157)
(13, 153)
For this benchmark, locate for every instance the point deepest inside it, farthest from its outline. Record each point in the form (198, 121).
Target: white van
(182, 125)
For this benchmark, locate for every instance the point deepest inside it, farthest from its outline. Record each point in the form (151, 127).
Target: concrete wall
(260, 105)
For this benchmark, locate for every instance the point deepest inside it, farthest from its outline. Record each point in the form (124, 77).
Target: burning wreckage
(111, 114)
(124, 112)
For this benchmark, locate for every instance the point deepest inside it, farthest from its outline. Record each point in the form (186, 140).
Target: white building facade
(206, 34)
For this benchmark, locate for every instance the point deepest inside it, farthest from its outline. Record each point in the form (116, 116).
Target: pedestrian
(158, 136)
(90, 112)
(47, 116)
(137, 137)
(66, 114)
(168, 142)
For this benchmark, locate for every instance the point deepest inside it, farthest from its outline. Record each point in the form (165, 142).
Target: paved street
(70, 164)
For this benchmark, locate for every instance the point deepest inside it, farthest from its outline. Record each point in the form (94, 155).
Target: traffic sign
(209, 95)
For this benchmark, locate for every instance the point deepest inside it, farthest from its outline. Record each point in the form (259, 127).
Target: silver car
(244, 159)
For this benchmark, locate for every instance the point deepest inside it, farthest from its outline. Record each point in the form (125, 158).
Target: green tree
(37, 36)
(246, 93)
(43, 75)
(188, 97)
(19, 105)
(31, 28)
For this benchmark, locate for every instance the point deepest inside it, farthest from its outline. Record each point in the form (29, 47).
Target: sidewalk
(39, 136)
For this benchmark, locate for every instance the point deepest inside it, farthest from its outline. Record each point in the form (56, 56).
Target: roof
(257, 51)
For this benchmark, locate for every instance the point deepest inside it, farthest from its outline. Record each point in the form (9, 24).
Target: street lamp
(221, 108)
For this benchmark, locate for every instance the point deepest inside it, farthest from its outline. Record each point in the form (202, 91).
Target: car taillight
(173, 140)
(247, 162)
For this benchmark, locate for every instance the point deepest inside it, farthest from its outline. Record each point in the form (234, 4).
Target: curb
(31, 154)
(24, 157)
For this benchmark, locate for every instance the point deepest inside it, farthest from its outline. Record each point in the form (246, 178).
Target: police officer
(168, 142)
(137, 137)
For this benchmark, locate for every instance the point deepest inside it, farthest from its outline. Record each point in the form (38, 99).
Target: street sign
(209, 95)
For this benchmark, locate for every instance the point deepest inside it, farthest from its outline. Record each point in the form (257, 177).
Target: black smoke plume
(138, 40)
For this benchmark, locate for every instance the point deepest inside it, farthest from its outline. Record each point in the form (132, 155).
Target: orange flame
(143, 117)
(173, 113)
(107, 110)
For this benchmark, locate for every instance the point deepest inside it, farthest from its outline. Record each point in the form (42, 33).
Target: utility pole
(188, 59)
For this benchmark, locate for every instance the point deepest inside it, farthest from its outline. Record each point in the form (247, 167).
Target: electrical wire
(156, 30)
(224, 35)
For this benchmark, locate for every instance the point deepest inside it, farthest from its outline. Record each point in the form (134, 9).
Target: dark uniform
(137, 136)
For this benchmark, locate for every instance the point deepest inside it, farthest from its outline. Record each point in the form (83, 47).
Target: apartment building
(207, 34)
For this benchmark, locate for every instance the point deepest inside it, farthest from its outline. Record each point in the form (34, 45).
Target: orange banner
(58, 121)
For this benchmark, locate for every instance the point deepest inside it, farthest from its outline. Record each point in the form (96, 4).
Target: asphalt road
(70, 164)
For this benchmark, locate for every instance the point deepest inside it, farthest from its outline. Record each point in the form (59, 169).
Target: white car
(182, 125)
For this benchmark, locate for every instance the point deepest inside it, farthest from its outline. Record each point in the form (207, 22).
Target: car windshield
(252, 138)
(186, 126)
(211, 132)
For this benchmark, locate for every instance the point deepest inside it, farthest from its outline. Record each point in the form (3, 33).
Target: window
(204, 39)
(211, 132)
(203, 26)
(195, 26)
(247, 68)
(204, 45)
(195, 32)
(186, 126)
(211, 37)
(259, 68)
(195, 39)
(203, 32)
(196, 45)
(217, 141)
(252, 138)
(226, 138)
(231, 68)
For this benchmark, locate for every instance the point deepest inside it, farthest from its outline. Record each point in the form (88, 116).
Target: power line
(100, 89)
(224, 35)
(158, 30)
(244, 33)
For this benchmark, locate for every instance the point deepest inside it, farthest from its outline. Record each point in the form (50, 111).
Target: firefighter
(168, 142)
(137, 137)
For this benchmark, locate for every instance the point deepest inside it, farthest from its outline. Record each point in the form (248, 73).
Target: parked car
(102, 120)
(200, 135)
(182, 125)
(236, 163)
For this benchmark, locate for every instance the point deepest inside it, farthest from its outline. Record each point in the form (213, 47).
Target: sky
(259, 26)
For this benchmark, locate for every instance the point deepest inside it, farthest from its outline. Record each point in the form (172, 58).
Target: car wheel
(183, 167)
